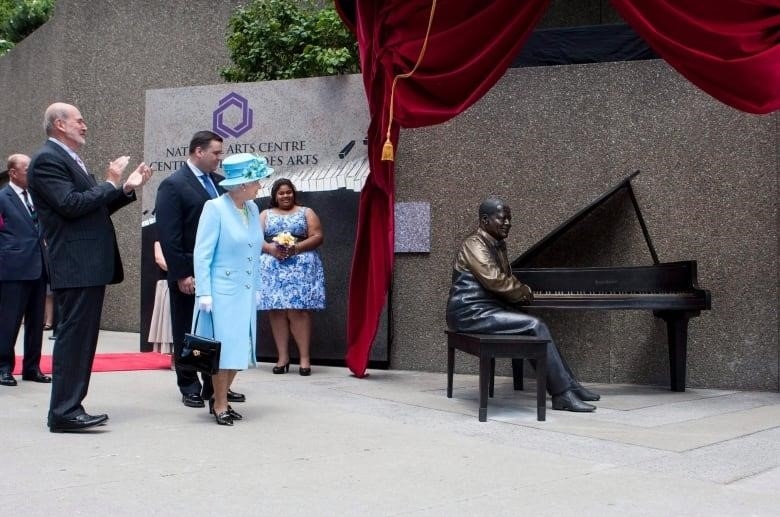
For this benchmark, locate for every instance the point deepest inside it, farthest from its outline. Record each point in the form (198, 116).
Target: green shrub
(287, 39)
(27, 16)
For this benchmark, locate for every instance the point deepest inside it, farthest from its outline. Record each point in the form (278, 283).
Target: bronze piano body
(670, 289)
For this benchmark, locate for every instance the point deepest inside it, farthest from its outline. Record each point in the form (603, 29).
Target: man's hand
(186, 285)
(137, 178)
(527, 294)
(116, 169)
(205, 303)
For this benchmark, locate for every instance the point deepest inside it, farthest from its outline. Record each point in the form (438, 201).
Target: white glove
(205, 303)
(257, 299)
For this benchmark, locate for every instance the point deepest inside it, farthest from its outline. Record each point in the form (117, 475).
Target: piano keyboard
(346, 174)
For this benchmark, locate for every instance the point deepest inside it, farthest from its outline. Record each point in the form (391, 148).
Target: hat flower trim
(257, 167)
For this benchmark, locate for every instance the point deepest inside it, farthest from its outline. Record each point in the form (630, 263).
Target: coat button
(246, 286)
(227, 273)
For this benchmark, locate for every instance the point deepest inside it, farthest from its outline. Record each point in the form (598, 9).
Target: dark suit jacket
(21, 247)
(180, 200)
(74, 210)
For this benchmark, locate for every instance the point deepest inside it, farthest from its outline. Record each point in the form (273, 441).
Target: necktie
(81, 164)
(29, 206)
(209, 185)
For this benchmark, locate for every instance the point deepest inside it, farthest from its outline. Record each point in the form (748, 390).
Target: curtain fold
(469, 48)
(730, 49)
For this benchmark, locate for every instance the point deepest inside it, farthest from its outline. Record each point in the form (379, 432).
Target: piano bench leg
(517, 374)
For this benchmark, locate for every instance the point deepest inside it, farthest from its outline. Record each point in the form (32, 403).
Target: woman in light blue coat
(227, 279)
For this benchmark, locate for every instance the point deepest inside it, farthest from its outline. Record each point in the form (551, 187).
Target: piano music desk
(490, 346)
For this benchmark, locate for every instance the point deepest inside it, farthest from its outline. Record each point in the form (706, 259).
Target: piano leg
(677, 335)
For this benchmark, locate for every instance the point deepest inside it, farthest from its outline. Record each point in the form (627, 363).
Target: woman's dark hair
(275, 188)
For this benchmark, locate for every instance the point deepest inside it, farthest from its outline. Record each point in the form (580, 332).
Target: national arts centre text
(285, 153)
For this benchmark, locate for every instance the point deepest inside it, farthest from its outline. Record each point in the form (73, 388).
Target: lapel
(76, 172)
(195, 183)
(16, 202)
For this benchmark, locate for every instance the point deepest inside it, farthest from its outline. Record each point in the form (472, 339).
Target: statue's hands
(527, 295)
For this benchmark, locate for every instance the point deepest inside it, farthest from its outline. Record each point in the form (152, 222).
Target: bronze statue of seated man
(485, 298)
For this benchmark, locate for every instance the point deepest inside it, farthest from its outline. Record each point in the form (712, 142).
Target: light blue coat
(225, 258)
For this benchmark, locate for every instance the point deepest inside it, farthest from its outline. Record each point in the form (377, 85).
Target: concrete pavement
(390, 444)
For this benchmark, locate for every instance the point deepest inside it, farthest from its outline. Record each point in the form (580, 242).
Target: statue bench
(490, 346)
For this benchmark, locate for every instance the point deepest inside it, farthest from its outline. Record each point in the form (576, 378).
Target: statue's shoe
(568, 401)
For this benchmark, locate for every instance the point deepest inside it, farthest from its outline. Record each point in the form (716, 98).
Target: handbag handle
(195, 327)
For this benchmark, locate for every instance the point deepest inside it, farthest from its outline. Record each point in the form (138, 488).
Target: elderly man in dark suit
(75, 210)
(22, 276)
(180, 200)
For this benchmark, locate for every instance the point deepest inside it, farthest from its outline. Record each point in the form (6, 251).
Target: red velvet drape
(728, 48)
(470, 46)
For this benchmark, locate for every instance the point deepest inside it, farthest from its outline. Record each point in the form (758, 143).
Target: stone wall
(102, 57)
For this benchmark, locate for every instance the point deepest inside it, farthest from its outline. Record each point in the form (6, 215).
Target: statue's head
(495, 218)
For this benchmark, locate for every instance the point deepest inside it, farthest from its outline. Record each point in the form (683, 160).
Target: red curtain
(469, 48)
(728, 48)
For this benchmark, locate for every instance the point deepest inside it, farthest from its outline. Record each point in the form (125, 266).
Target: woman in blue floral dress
(291, 273)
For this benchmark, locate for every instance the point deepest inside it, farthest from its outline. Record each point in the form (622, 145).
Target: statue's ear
(483, 219)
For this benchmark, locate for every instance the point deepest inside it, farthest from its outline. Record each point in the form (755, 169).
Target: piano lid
(623, 187)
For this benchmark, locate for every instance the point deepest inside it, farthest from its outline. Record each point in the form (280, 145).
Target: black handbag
(200, 353)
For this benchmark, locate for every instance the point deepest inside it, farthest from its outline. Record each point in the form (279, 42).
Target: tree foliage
(19, 18)
(287, 39)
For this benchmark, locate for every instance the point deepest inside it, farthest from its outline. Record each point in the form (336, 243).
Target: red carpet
(113, 362)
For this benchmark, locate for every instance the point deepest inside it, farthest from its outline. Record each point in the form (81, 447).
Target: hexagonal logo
(233, 116)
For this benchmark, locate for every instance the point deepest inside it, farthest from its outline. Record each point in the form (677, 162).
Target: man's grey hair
(54, 112)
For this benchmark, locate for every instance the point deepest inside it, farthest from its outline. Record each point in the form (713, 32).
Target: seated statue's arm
(480, 260)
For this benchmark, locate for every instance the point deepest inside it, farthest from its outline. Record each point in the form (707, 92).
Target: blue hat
(244, 168)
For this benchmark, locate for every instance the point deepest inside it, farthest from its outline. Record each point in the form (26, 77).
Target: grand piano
(669, 289)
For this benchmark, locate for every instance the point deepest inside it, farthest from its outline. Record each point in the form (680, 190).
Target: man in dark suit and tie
(74, 210)
(180, 200)
(22, 276)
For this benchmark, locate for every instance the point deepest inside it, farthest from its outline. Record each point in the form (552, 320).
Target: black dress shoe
(77, 423)
(236, 397)
(36, 377)
(584, 393)
(6, 379)
(223, 418)
(193, 400)
(304, 372)
(568, 401)
(235, 415)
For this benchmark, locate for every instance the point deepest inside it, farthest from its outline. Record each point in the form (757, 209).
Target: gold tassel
(387, 151)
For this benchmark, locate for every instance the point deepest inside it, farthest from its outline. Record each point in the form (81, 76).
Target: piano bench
(490, 346)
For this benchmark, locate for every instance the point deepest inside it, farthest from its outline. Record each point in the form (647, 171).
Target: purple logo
(232, 104)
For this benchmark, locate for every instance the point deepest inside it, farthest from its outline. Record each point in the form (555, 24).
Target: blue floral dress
(294, 283)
